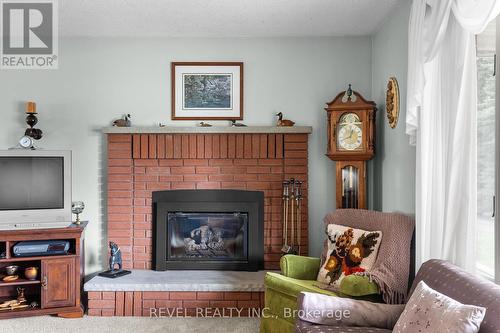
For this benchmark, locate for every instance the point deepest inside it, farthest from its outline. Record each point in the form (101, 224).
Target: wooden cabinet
(58, 283)
(57, 288)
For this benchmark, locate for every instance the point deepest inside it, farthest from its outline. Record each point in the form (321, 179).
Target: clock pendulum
(351, 142)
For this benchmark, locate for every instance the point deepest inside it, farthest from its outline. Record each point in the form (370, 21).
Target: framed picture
(207, 90)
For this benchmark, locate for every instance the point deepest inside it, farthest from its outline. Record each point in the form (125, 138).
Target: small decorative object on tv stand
(115, 258)
(77, 208)
(283, 122)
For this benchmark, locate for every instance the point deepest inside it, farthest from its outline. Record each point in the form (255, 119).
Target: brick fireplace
(139, 164)
(141, 161)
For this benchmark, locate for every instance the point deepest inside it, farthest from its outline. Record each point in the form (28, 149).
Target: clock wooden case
(351, 142)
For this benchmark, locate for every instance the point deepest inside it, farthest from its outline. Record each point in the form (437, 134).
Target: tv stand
(57, 287)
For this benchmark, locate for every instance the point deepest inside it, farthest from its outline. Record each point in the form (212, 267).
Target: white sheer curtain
(441, 121)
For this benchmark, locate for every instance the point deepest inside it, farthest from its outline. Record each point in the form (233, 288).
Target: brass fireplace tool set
(292, 216)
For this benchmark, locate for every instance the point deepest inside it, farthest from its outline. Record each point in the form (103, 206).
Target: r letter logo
(29, 34)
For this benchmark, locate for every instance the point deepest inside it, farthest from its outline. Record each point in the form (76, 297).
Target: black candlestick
(32, 120)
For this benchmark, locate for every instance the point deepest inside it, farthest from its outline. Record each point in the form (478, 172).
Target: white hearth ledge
(213, 129)
(148, 280)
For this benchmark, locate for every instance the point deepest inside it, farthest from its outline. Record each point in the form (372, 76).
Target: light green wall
(100, 79)
(392, 172)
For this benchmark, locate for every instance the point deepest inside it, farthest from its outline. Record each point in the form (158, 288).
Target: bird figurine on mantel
(283, 122)
(124, 122)
(204, 124)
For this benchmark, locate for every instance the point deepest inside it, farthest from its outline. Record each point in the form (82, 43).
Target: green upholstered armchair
(299, 274)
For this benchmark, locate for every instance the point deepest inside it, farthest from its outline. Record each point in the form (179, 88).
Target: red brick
(94, 312)
(171, 162)
(221, 178)
(249, 304)
(210, 295)
(108, 295)
(120, 162)
(258, 169)
(182, 295)
(158, 170)
(120, 170)
(145, 162)
(195, 162)
(231, 296)
(172, 178)
(155, 295)
(101, 304)
(195, 304)
(220, 162)
(210, 170)
(195, 178)
(160, 303)
(296, 169)
(271, 162)
(147, 304)
(182, 170)
(234, 185)
(245, 177)
(119, 178)
(119, 146)
(119, 138)
(208, 185)
(295, 137)
(121, 154)
(183, 186)
(119, 186)
(94, 295)
(223, 304)
(119, 194)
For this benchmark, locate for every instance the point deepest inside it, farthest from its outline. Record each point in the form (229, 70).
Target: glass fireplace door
(207, 236)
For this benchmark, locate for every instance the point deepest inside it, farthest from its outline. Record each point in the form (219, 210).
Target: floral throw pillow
(349, 251)
(429, 311)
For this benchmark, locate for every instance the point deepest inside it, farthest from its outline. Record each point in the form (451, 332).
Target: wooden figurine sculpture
(283, 122)
(125, 122)
(115, 258)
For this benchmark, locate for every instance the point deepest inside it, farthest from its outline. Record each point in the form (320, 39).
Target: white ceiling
(222, 18)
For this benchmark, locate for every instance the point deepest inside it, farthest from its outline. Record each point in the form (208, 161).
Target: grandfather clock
(351, 142)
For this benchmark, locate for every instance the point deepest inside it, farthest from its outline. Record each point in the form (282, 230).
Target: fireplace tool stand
(292, 199)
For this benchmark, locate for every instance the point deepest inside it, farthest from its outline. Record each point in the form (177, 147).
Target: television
(35, 189)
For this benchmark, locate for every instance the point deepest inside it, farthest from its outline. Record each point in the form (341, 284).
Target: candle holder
(32, 120)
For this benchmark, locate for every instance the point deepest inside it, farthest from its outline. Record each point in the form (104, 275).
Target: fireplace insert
(208, 229)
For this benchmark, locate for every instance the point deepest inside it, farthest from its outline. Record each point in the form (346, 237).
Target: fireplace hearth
(208, 229)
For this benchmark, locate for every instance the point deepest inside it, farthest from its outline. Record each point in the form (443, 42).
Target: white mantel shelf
(213, 129)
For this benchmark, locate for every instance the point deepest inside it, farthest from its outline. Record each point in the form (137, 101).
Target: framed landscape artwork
(207, 90)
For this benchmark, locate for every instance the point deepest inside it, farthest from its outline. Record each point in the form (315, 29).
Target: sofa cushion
(292, 287)
(429, 311)
(349, 251)
(357, 286)
(305, 327)
(465, 288)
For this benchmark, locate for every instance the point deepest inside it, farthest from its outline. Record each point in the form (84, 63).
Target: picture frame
(207, 90)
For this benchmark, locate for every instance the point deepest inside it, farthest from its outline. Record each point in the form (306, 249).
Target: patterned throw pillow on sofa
(429, 311)
(349, 251)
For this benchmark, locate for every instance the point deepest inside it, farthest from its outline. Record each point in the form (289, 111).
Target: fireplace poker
(298, 199)
(292, 211)
(286, 198)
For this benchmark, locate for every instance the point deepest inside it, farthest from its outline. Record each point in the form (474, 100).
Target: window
(486, 161)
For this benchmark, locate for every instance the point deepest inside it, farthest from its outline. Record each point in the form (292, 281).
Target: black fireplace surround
(208, 230)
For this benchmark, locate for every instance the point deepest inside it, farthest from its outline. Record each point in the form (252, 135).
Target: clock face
(350, 134)
(26, 142)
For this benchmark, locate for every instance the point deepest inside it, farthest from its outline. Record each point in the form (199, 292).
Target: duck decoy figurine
(203, 124)
(283, 122)
(235, 124)
(125, 122)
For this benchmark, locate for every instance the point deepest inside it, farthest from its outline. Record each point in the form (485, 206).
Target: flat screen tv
(35, 189)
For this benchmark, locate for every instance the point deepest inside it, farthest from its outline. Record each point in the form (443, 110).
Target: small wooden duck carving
(204, 124)
(125, 122)
(283, 122)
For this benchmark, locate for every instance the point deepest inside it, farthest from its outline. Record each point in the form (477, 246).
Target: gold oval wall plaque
(392, 101)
